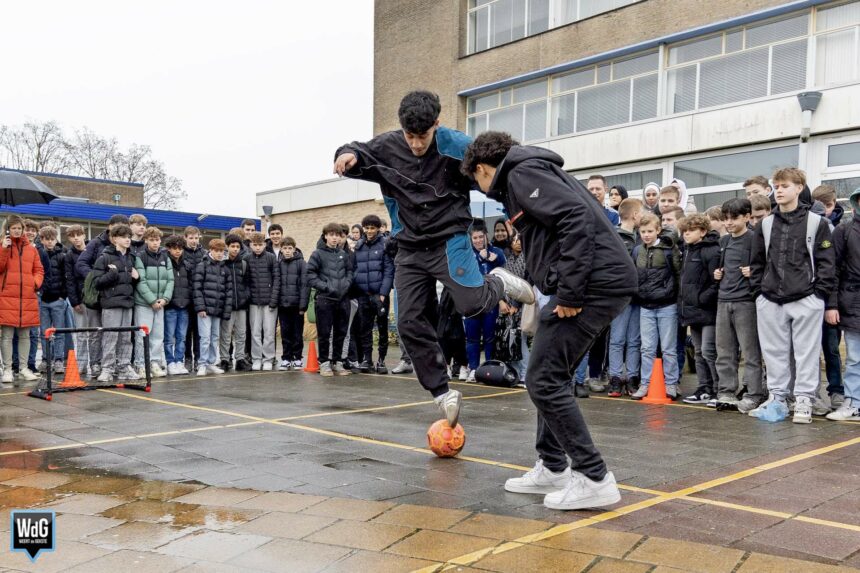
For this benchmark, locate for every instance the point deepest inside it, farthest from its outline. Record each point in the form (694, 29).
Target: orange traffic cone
(72, 379)
(657, 386)
(313, 362)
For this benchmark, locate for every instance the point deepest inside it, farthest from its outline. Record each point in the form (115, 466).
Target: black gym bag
(497, 373)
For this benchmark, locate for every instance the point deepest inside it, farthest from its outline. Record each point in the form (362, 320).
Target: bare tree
(35, 147)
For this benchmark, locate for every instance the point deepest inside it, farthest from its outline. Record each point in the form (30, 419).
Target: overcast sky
(234, 98)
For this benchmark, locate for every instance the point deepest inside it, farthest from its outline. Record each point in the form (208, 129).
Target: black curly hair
(418, 111)
(490, 148)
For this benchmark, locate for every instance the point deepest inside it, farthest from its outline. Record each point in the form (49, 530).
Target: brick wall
(95, 191)
(420, 44)
(305, 226)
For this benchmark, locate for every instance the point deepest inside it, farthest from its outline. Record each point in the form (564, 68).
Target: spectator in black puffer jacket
(194, 255)
(265, 294)
(176, 313)
(115, 278)
(373, 279)
(235, 329)
(293, 303)
(75, 292)
(52, 304)
(697, 300)
(213, 300)
(329, 271)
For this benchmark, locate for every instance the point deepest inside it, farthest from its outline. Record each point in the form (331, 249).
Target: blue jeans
(478, 329)
(53, 314)
(659, 325)
(852, 366)
(830, 336)
(175, 330)
(624, 335)
(522, 366)
(209, 328)
(581, 372)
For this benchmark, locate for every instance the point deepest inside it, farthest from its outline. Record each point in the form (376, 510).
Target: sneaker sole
(801, 420)
(588, 503)
(533, 490)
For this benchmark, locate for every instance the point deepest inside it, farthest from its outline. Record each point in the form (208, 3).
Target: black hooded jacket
(846, 241)
(85, 262)
(181, 284)
(294, 291)
(240, 279)
(427, 197)
(74, 284)
(784, 273)
(698, 291)
(54, 285)
(213, 290)
(658, 267)
(571, 248)
(116, 286)
(329, 271)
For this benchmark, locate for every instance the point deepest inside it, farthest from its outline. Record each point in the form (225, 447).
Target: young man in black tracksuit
(417, 169)
(373, 279)
(194, 255)
(574, 255)
(293, 304)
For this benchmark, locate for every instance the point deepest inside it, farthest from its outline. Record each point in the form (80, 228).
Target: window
(843, 154)
(705, 201)
(520, 110)
(837, 47)
(844, 187)
(635, 180)
(497, 22)
(753, 62)
(735, 167)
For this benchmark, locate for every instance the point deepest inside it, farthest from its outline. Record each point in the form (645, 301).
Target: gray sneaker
(748, 404)
(449, 404)
(820, 407)
(128, 373)
(596, 385)
(515, 287)
(672, 391)
(325, 369)
(727, 398)
(640, 392)
(836, 400)
(402, 367)
(340, 370)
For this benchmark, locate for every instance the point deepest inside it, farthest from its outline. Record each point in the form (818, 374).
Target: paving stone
(301, 556)
(354, 509)
(215, 518)
(160, 491)
(287, 525)
(594, 541)
(439, 545)
(139, 562)
(761, 563)
(137, 536)
(530, 558)
(74, 527)
(100, 485)
(149, 510)
(218, 496)
(25, 497)
(609, 565)
(685, 555)
(40, 480)
(378, 563)
(85, 503)
(499, 527)
(281, 501)
(422, 517)
(361, 535)
(213, 546)
(830, 543)
(69, 554)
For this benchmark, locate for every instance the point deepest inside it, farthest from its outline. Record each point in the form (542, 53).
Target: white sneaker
(156, 370)
(129, 373)
(297, 364)
(846, 411)
(583, 493)
(171, 369)
(515, 287)
(538, 480)
(471, 376)
(27, 375)
(464, 373)
(8, 377)
(802, 410)
(201, 371)
(267, 366)
(449, 404)
(212, 369)
(285, 365)
(256, 365)
(105, 377)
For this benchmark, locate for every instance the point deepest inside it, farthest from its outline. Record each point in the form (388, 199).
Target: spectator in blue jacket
(481, 328)
(373, 279)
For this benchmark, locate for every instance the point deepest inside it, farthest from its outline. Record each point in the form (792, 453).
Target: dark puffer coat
(84, 264)
(192, 258)
(240, 279)
(697, 299)
(116, 286)
(846, 240)
(294, 291)
(74, 283)
(658, 267)
(374, 269)
(181, 284)
(54, 285)
(213, 289)
(265, 279)
(329, 271)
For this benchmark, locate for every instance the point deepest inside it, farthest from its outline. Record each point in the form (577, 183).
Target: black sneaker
(381, 368)
(226, 365)
(242, 366)
(364, 367)
(700, 396)
(615, 387)
(580, 391)
(632, 385)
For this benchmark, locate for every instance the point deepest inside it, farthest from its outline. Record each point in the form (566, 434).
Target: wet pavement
(287, 471)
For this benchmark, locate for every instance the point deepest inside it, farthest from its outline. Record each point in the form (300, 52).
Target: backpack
(812, 222)
(90, 295)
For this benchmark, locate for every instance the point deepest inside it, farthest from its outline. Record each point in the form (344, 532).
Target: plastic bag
(775, 411)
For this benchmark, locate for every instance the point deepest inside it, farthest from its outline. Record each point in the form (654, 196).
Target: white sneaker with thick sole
(802, 410)
(256, 366)
(515, 287)
(105, 377)
(471, 376)
(27, 375)
(8, 376)
(539, 480)
(464, 373)
(449, 404)
(212, 369)
(297, 364)
(267, 366)
(846, 411)
(201, 371)
(156, 371)
(583, 493)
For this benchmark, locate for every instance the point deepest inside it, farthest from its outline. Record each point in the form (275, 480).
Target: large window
(734, 168)
(496, 22)
(837, 47)
(736, 65)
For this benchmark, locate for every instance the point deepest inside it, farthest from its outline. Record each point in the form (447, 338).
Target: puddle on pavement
(215, 517)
